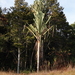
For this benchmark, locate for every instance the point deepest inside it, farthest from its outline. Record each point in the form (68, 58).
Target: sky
(68, 5)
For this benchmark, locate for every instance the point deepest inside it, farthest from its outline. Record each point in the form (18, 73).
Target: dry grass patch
(56, 72)
(10, 73)
(69, 71)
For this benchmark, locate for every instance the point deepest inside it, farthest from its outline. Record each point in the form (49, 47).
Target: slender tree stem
(38, 50)
(18, 66)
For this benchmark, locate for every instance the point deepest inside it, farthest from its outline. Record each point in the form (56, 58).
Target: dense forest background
(17, 41)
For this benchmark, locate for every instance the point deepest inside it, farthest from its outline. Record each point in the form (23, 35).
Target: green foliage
(39, 27)
(73, 25)
(17, 19)
(20, 3)
(26, 71)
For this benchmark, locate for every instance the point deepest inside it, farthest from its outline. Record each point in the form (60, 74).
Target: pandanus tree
(40, 26)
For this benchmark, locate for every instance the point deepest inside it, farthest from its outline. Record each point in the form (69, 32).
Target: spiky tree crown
(39, 28)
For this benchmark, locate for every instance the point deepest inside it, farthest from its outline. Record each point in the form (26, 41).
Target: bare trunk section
(41, 55)
(42, 51)
(38, 50)
(26, 56)
(18, 65)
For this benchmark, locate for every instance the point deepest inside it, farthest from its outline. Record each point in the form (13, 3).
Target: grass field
(55, 72)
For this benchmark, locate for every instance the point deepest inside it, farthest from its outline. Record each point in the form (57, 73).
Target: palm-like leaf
(32, 30)
(40, 27)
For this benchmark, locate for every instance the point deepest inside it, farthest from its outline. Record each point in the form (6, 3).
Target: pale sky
(68, 5)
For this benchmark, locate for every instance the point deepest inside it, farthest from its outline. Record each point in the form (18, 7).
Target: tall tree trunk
(18, 65)
(38, 50)
(26, 56)
(41, 55)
